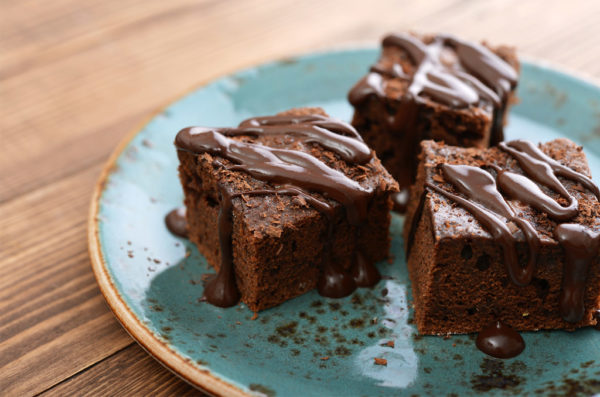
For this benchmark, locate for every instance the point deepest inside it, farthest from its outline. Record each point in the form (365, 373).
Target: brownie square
(458, 271)
(432, 87)
(280, 242)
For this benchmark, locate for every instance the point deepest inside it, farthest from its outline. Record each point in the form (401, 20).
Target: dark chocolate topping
(490, 208)
(292, 172)
(279, 166)
(487, 66)
(525, 190)
(581, 246)
(176, 222)
(478, 185)
(221, 290)
(315, 128)
(325, 124)
(478, 75)
(365, 273)
(371, 84)
(529, 152)
(500, 341)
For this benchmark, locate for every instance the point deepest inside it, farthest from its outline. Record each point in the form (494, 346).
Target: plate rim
(204, 379)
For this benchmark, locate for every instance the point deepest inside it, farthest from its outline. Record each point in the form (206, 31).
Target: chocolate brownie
(432, 87)
(510, 234)
(284, 204)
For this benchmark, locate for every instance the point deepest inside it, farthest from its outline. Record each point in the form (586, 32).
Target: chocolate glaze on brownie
(519, 184)
(432, 87)
(290, 172)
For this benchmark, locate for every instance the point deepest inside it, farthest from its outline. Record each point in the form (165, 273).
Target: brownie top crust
(302, 149)
(517, 192)
(301, 161)
(442, 71)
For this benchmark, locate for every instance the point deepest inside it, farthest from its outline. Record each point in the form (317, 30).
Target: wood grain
(127, 364)
(76, 76)
(53, 320)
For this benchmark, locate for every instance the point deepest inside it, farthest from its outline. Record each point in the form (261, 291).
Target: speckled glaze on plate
(312, 346)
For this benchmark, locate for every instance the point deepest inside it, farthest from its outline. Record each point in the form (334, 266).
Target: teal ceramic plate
(151, 279)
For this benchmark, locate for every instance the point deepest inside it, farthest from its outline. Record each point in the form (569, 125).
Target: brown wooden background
(76, 76)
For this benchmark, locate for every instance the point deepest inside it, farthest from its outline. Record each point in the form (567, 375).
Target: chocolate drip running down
(486, 203)
(478, 76)
(292, 172)
(581, 247)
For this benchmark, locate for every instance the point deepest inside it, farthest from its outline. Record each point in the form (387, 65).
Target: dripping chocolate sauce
(500, 341)
(581, 247)
(478, 77)
(486, 201)
(176, 222)
(293, 173)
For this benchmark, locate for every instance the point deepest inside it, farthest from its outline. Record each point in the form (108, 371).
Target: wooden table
(76, 76)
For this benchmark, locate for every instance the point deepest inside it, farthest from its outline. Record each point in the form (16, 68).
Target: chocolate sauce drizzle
(479, 186)
(484, 200)
(292, 172)
(478, 75)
